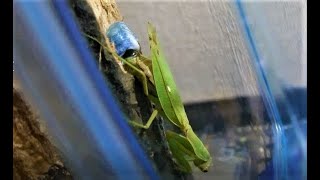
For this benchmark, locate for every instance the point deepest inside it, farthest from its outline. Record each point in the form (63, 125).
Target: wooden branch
(94, 17)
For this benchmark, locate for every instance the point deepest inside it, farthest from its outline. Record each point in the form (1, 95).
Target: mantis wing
(170, 99)
(166, 87)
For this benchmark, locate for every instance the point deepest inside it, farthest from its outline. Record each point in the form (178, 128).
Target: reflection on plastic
(289, 141)
(59, 76)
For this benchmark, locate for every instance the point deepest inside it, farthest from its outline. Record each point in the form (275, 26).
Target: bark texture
(94, 17)
(33, 153)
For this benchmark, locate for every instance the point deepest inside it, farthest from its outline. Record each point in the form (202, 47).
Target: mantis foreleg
(140, 75)
(137, 72)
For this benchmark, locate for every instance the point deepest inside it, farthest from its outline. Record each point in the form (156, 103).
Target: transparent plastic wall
(280, 62)
(245, 90)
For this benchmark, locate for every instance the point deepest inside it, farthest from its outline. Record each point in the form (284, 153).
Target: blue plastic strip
(289, 97)
(280, 165)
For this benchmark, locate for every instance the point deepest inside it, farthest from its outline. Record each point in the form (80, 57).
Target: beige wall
(205, 47)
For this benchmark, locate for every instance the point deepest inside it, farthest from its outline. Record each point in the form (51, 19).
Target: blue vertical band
(280, 150)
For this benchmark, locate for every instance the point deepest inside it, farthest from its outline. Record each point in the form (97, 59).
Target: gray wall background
(207, 51)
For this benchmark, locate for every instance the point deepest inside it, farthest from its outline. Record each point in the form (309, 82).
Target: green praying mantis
(160, 87)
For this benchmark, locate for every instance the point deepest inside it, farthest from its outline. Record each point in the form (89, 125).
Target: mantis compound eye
(123, 39)
(130, 53)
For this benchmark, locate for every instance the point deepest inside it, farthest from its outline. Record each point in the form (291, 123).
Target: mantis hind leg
(182, 146)
(181, 150)
(181, 161)
(149, 122)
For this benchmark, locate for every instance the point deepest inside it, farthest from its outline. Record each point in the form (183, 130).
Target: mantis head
(131, 55)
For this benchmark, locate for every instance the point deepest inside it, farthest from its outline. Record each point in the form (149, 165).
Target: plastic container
(59, 77)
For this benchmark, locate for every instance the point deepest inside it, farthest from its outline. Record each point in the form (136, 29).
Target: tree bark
(94, 17)
(33, 153)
